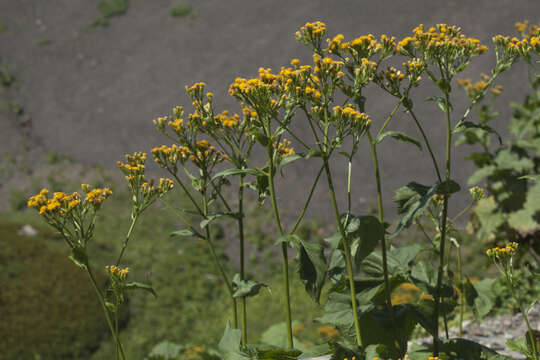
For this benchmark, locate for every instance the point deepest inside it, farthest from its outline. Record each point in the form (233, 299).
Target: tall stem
(216, 260)
(461, 290)
(436, 341)
(346, 249)
(242, 261)
(128, 235)
(284, 255)
(380, 212)
(105, 312)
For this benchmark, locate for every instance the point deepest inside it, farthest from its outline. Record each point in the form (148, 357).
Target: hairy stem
(128, 235)
(242, 261)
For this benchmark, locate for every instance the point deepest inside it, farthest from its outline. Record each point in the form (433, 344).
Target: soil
(91, 92)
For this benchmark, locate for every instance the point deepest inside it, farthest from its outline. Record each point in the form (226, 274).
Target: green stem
(216, 259)
(436, 341)
(346, 249)
(105, 311)
(300, 217)
(242, 265)
(426, 141)
(380, 211)
(128, 235)
(461, 290)
(525, 317)
(187, 192)
(284, 255)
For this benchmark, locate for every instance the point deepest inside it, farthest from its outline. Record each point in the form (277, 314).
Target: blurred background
(81, 82)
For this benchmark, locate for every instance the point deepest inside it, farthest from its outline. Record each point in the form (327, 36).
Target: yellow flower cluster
(326, 67)
(311, 33)
(196, 90)
(205, 153)
(97, 196)
(349, 113)
(193, 352)
(442, 44)
(477, 193)
(514, 47)
(502, 253)
(117, 272)
(390, 79)
(284, 148)
(60, 202)
(364, 72)
(134, 165)
(250, 88)
(329, 331)
(527, 30)
(473, 90)
(170, 155)
(433, 358)
(414, 68)
(226, 120)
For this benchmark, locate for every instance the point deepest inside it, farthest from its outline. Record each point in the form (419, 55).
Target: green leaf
(165, 350)
(236, 171)
(490, 216)
(212, 217)
(245, 288)
(400, 136)
(262, 352)
(139, 286)
(185, 233)
(262, 139)
(424, 313)
(365, 233)
(525, 221)
(291, 240)
(508, 159)
(276, 335)
(485, 301)
(447, 187)
(520, 346)
(412, 200)
(398, 260)
(469, 350)
(424, 276)
(470, 125)
(312, 268)
(230, 342)
(441, 102)
(79, 256)
(296, 156)
(481, 174)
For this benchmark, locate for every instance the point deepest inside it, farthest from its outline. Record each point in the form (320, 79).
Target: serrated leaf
(400, 136)
(139, 286)
(485, 301)
(165, 350)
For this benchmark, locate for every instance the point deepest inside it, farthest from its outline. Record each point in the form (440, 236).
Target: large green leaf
(312, 268)
(229, 345)
(424, 276)
(398, 260)
(526, 220)
(236, 171)
(469, 350)
(412, 200)
(365, 233)
(424, 312)
(276, 335)
(490, 216)
(485, 299)
(507, 159)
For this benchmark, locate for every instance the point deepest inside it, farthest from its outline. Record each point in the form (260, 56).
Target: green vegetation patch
(47, 305)
(108, 9)
(181, 10)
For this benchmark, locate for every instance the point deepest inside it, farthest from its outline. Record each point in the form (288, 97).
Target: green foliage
(108, 9)
(511, 211)
(17, 200)
(49, 314)
(6, 76)
(44, 42)
(181, 10)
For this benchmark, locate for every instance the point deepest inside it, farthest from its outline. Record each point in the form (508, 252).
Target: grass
(108, 9)
(45, 314)
(182, 10)
(44, 42)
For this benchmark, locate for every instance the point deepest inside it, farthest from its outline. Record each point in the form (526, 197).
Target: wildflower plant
(74, 216)
(328, 95)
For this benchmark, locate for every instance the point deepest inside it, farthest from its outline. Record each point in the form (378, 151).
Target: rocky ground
(91, 92)
(495, 331)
